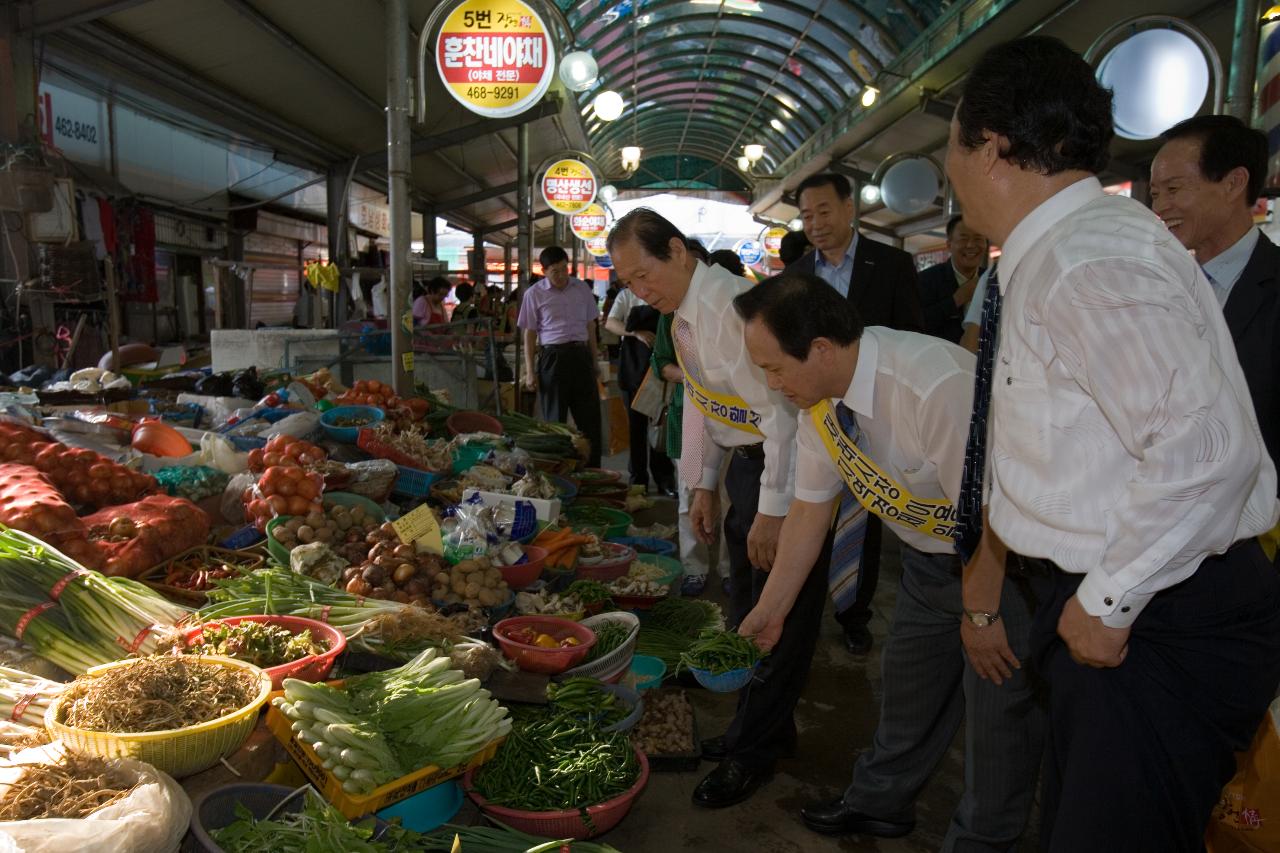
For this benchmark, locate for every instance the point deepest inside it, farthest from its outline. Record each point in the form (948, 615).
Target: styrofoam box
(236, 349)
(546, 510)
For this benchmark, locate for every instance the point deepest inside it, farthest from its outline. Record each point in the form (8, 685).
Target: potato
(488, 598)
(306, 534)
(439, 592)
(293, 524)
(441, 578)
(467, 566)
(458, 585)
(472, 589)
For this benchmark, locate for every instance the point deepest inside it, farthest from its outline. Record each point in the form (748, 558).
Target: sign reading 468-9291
(495, 56)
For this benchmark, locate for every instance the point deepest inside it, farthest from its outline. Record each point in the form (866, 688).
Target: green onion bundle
(75, 617)
(384, 725)
(25, 697)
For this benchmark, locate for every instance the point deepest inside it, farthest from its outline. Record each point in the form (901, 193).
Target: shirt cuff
(773, 503)
(1101, 596)
(710, 479)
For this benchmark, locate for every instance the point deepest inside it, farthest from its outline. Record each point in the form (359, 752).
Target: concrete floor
(837, 717)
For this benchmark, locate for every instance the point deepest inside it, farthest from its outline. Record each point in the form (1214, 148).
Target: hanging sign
(750, 252)
(604, 262)
(772, 240)
(589, 222)
(598, 246)
(495, 57)
(569, 186)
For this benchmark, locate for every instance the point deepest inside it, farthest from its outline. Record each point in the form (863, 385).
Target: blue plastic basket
(725, 682)
(348, 434)
(647, 545)
(245, 443)
(413, 483)
(428, 809)
(648, 670)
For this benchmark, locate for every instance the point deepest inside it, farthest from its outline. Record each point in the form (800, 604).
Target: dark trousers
(645, 459)
(858, 614)
(1138, 753)
(764, 724)
(929, 688)
(567, 386)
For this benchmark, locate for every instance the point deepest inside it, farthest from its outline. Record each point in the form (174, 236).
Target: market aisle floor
(837, 718)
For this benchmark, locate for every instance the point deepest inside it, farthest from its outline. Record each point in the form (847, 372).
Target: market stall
(269, 607)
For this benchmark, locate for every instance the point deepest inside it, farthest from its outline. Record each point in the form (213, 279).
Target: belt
(750, 451)
(566, 345)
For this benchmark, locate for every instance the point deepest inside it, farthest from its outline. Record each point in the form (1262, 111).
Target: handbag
(652, 396)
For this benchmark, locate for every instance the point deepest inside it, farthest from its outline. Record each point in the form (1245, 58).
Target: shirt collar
(1035, 224)
(1225, 269)
(821, 259)
(860, 396)
(688, 310)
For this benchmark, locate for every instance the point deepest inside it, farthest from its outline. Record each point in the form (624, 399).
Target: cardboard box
(546, 510)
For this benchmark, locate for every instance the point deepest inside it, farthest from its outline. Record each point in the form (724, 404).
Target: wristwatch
(981, 618)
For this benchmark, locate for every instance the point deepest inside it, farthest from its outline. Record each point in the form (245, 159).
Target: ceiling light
(578, 71)
(608, 105)
(631, 157)
(608, 192)
(870, 193)
(869, 95)
(744, 165)
(753, 152)
(1158, 78)
(796, 225)
(777, 125)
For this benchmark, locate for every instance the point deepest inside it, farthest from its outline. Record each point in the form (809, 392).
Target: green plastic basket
(612, 523)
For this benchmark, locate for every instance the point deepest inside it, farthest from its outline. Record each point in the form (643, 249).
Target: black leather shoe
(857, 640)
(715, 748)
(836, 817)
(668, 488)
(728, 784)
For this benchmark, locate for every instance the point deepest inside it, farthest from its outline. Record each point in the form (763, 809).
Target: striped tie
(969, 524)
(691, 427)
(844, 573)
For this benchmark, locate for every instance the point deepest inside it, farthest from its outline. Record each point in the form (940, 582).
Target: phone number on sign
(497, 93)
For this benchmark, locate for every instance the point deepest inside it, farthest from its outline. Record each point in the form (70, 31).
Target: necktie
(691, 427)
(969, 523)
(844, 574)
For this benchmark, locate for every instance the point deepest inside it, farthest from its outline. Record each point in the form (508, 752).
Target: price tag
(407, 360)
(420, 524)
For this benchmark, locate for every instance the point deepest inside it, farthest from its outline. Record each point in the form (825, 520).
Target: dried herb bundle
(76, 786)
(156, 694)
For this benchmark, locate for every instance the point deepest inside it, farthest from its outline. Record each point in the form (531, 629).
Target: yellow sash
(874, 489)
(728, 410)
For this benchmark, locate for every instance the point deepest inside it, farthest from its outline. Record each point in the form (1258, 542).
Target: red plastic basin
(522, 574)
(460, 423)
(536, 658)
(311, 668)
(564, 824)
(617, 562)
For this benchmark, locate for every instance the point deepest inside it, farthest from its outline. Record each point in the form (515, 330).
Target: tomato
(299, 505)
(271, 459)
(285, 487)
(279, 504)
(308, 489)
(285, 440)
(255, 459)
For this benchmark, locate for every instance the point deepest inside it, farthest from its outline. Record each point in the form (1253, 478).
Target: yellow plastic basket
(178, 752)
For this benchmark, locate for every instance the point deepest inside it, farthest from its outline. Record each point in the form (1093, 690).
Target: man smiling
(881, 409)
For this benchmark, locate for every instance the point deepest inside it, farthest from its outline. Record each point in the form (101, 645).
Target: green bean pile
(585, 697)
(609, 636)
(722, 651)
(554, 762)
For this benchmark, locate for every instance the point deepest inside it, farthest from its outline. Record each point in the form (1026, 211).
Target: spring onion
(75, 617)
(25, 697)
(383, 725)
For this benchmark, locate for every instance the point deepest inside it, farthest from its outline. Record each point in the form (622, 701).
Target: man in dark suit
(880, 281)
(946, 288)
(1205, 180)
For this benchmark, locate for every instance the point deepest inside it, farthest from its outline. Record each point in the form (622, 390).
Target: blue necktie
(844, 573)
(969, 523)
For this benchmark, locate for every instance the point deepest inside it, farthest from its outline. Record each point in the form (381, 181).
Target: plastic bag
(300, 425)
(151, 819)
(476, 530)
(233, 496)
(1247, 817)
(371, 479)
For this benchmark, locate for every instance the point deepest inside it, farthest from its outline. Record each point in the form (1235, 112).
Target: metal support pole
(524, 238)
(506, 269)
(1244, 60)
(337, 217)
(429, 245)
(573, 255)
(398, 169)
(478, 265)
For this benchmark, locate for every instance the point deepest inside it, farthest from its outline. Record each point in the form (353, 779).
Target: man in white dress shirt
(901, 394)
(729, 409)
(1123, 451)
